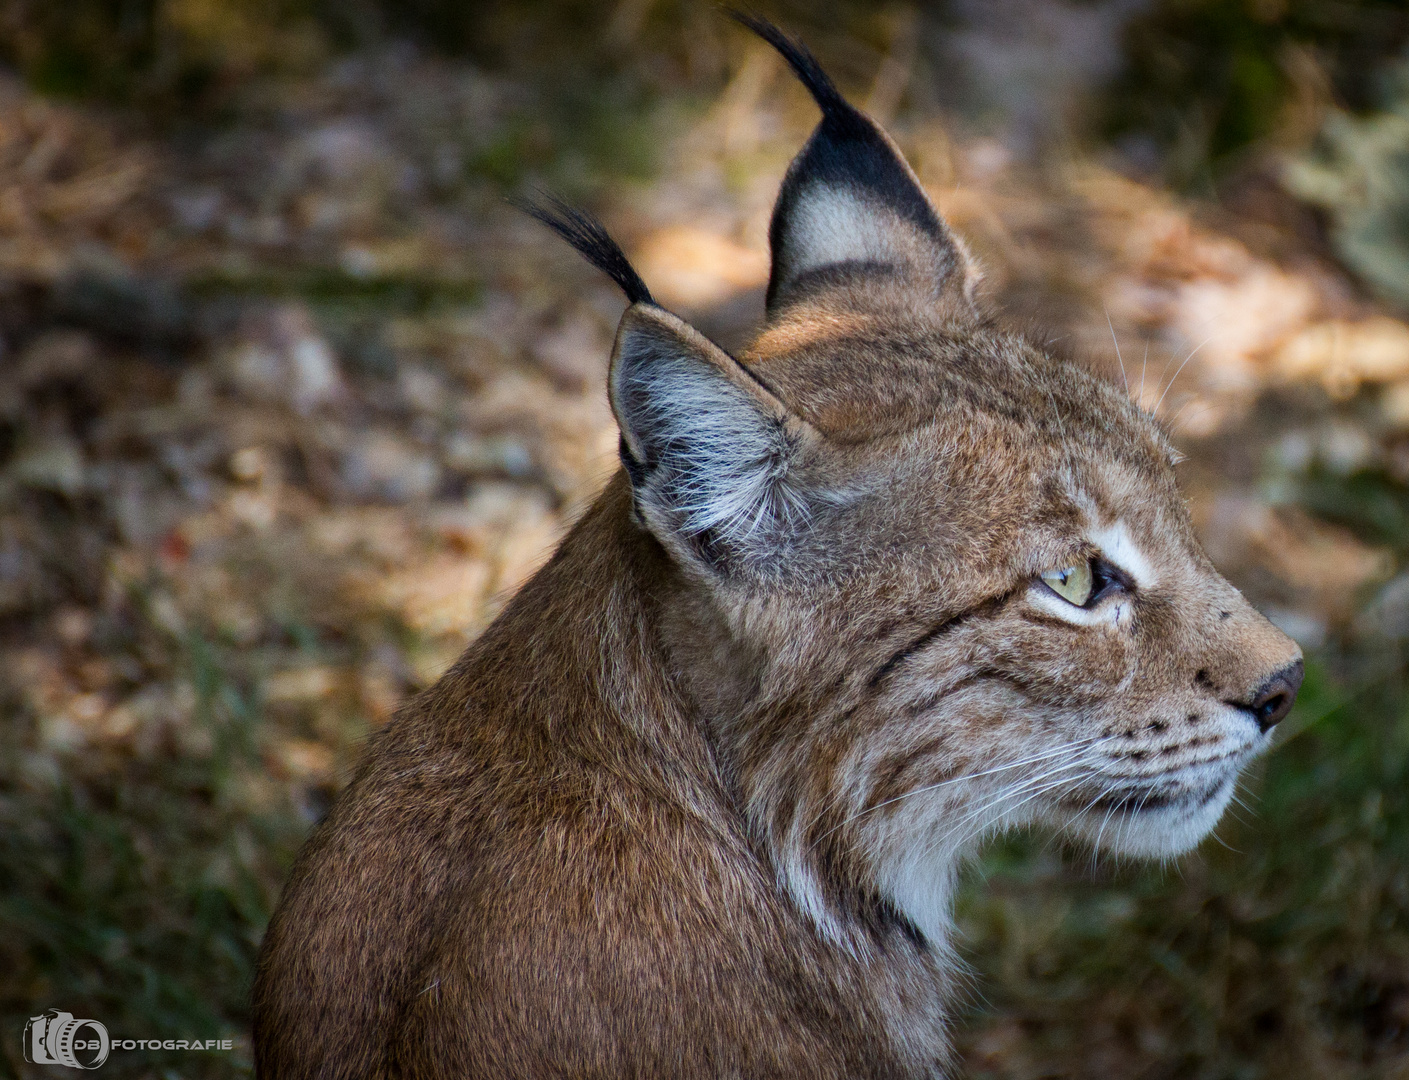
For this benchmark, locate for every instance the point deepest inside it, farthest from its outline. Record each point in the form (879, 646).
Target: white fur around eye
(1120, 550)
(1100, 615)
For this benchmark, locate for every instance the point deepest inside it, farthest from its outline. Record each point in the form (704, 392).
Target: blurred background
(290, 401)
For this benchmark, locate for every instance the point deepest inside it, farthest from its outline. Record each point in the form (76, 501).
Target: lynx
(888, 583)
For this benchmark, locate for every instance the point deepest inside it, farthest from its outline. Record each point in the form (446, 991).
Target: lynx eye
(1073, 584)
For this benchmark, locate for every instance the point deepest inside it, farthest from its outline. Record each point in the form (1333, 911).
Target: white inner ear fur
(723, 461)
(833, 225)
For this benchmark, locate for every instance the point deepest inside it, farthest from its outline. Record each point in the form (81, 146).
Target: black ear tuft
(801, 60)
(592, 241)
(850, 206)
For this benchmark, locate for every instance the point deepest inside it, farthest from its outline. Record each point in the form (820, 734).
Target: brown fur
(692, 806)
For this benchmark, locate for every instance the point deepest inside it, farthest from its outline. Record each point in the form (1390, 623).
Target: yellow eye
(1072, 584)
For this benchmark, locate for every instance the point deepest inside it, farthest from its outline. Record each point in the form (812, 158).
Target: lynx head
(926, 581)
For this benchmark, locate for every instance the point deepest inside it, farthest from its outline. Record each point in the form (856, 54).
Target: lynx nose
(1274, 698)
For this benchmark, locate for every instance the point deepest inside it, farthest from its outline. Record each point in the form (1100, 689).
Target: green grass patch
(135, 890)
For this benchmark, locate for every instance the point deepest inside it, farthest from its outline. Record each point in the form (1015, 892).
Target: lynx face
(992, 610)
(936, 582)
(1042, 637)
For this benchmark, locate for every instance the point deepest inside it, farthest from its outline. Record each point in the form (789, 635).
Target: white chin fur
(919, 874)
(1158, 833)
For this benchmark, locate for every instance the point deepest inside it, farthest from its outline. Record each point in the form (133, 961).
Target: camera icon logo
(52, 1039)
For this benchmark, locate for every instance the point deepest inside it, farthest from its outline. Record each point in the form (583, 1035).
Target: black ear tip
(800, 59)
(589, 238)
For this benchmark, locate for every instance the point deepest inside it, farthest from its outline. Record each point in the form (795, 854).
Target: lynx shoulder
(887, 583)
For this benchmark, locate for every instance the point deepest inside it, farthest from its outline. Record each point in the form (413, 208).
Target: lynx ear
(851, 207)
(710, 451)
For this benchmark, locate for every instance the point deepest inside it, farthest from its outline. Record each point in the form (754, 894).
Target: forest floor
(288, 409)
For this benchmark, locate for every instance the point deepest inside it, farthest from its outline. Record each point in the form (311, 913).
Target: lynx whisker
(1121, 826)
(1175, 377)
(1224, 843)
(1020, 763)
(1240, 809)
(1107, 789)
(1120, 359)
(1237, 798)
(1096, 844)
(1144, 363)
(1031, 787)
(1005, 794)
(1204, 408)
(1026, 793)
(1057, 751)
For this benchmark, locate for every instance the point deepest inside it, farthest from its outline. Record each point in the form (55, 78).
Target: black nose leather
(1274, 698)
